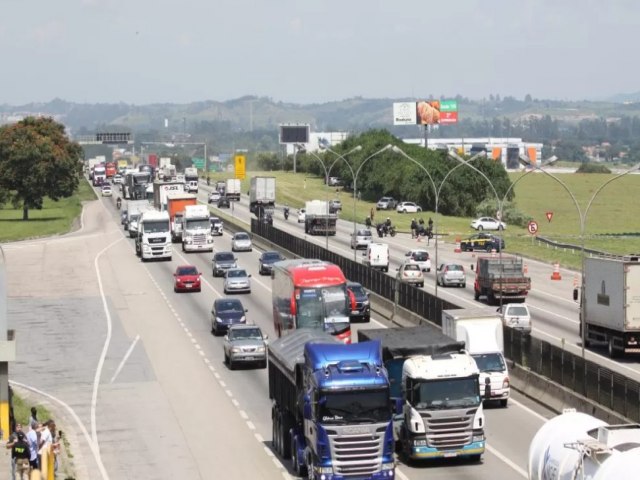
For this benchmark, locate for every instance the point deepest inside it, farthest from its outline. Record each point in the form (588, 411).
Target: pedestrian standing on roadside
(33, 419)
(13, 438)
(414, 228)
(20, 454)
(33, 438)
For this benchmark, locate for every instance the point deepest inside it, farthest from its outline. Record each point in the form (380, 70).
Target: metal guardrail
(578, 249)
(589, 379)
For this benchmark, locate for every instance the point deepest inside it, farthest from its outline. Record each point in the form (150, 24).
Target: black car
(223, 261)
(482, 241)
(226, 312)
(223, 202)
(266, 261)
(362, 312)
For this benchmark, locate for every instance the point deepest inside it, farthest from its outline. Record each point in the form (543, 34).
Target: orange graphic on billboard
(428, 113)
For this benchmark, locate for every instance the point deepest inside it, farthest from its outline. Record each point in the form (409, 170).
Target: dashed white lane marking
(277, 463)
(235, 402)
(506, 460)
(229, 393)
(251, 425)
(268, 452)
(222, 384)
(244, 415)
(258, 437)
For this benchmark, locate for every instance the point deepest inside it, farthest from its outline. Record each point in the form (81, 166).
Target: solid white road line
(124, 359)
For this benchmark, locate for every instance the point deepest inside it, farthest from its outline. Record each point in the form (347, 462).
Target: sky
(315, 51)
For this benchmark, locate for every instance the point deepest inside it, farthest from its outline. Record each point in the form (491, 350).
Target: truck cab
(154, 235)
(196, 232)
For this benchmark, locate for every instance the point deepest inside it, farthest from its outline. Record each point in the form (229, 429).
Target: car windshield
(421, 256)
(411, 268)
(236, 273)
(364, 233)
(214, 220)
(454, 268)
(229, 306)
(385, 199)
(187, 271)
(358, 290)
(242, 236)
(489, 362)
(517, 310)
(270, 256)
(245, 334)
(224, 257)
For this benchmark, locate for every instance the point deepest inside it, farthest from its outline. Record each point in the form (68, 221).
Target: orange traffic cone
(556, 272)
(457, 249)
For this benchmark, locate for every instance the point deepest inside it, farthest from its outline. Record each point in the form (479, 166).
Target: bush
(593, 168)
(510, 214)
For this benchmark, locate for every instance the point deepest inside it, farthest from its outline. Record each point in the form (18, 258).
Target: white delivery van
(377, 256)
(481, 331)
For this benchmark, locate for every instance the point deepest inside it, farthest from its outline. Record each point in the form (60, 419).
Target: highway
(555, 316)
(145, 378)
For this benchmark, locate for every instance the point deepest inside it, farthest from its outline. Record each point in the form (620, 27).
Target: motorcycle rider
(118, 203)
(367, 222)
(286, 212)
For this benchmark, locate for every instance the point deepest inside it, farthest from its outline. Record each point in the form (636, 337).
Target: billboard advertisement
(426, 112)
(294, 133)
(404, 113)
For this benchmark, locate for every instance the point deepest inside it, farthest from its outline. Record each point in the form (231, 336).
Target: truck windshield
(447, 393)
(324, 308)
(362, 406)
(141, 179)
(489, 362)
(198, 224)
(156, 226)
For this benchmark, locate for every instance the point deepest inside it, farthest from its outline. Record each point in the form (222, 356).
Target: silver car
(237, 280)
(223, 261)
(451, 274)
(516, 316)
(361, 239)
(245, 344)
(241, 242)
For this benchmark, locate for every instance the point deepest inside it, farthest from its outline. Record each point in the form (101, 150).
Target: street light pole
(582, 216)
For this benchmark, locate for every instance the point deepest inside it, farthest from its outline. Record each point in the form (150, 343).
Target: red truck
(111, 169)
(501, 278)
(175, 206)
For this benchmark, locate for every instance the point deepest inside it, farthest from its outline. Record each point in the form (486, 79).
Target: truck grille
(199, 239)
(449, 432)
(357, 454)
(158, 240)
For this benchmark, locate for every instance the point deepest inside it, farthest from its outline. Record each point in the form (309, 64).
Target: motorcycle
(286, 214)
(383, 230)
(118, 203)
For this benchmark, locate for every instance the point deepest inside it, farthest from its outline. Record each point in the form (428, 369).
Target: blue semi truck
(332, 413)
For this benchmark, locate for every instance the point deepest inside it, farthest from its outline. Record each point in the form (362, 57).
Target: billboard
(404, 113)
(294, 134)
(426, 112)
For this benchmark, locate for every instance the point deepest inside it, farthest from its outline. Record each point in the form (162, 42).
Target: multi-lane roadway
(133, 370)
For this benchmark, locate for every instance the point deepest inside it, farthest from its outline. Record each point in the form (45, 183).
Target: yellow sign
(240, 163)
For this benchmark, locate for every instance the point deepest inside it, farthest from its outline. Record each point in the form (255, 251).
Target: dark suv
(362, 312)
(223, 261)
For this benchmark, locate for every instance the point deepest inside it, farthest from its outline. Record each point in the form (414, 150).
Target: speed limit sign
(532, 226)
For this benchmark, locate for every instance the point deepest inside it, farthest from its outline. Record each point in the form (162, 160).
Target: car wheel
(480, 228)
(226, 358)
(263, 364)
(500, 227)
(231, 364)
(503, 402)
(463, 285)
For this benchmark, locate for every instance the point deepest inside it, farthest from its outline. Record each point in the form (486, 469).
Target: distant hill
(625, 98)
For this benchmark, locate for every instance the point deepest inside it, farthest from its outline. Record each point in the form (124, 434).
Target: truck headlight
(477, 438)
(365, 303)
(388, 466)
(218, 320)
(322, 470)
(189, 240)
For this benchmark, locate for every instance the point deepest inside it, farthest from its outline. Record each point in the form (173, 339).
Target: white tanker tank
(575, 445)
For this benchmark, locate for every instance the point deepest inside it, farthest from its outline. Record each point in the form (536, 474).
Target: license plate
(248, 358)
(450, 454)
(354, 311)
(188, 285)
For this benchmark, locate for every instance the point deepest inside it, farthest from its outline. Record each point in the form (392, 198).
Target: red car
(187, 278)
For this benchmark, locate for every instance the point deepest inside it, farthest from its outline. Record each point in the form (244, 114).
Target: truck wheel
(476, 294)
(285, 437)
(298, 468)
(504, 402)
(475, 458)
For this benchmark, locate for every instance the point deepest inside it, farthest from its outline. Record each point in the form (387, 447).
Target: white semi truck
(436, 381)
(575, 445)
(318, 220)
(233, 187)
(612, 304)
(481, 331)
(196, 229)
(262, 196)
(191, 179)
(154, 236)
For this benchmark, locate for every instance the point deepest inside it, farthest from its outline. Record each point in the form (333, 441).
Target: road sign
(448, 105)
(240, 166)
(198, 163)
(532, 227)
(549, 216)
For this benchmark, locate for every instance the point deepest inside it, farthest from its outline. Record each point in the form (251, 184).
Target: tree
(37, 160)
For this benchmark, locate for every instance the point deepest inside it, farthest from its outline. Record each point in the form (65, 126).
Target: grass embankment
(55, 217)
(611, 223)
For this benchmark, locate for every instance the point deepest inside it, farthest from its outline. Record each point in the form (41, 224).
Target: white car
(214, 197)
(237, 280)
(516, 316)
(106, 190)
(420, 257)
(241, 242)
(361, 239)
(117, 179)
(488, 223)
(408, 207)
(302, 215)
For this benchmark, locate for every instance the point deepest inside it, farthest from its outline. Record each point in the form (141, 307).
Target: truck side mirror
(487, 388)
(306, 409)
(575, 294)
(398, 405)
